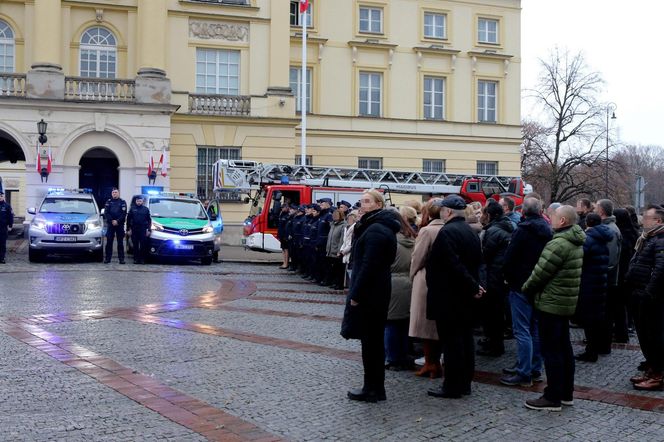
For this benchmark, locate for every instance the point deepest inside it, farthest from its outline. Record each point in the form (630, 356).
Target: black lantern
(152, 176)
(41, 128)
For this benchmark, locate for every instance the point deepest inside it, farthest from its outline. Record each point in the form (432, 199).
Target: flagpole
(303, 90)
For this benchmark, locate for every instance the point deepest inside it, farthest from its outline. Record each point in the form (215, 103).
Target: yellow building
(397, 84)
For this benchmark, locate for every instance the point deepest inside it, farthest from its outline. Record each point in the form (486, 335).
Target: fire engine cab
(269, 185)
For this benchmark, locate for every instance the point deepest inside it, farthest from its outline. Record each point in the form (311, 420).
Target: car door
(214, 212)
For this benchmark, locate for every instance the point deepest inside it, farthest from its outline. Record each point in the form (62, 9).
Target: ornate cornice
(218, 30)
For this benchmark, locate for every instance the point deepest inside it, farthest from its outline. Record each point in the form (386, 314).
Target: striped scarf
(641, 242)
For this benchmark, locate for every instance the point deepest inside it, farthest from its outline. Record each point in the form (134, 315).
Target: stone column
(45, 79)
(152, 86)
(279, 49)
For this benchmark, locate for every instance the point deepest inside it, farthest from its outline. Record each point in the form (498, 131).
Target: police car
(182, 227)
(66, 221)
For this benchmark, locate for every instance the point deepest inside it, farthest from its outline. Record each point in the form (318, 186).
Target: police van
(182, 227)
(66, 221)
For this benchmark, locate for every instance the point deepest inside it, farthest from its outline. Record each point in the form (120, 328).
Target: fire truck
(266, 185)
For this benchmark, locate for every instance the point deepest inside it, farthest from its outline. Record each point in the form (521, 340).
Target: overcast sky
(621, 40)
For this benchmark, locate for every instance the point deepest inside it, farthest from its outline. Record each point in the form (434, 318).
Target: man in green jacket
(554, 286)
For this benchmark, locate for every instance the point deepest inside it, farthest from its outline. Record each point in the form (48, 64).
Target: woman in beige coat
(420, 326)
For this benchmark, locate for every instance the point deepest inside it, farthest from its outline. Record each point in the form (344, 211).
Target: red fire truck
(268, 184)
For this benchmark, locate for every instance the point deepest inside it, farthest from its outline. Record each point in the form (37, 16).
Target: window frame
(379, 160)
(310, 87)
(208, 179)
(370, 73)
(370, 8)
(10, 43)
(445, 16)
(484, 164)
(218, 90)
(481, 117)
(310, 15)
(478, 37)
(433, 106)
(98, 49)
(443, 165)
(308, 161)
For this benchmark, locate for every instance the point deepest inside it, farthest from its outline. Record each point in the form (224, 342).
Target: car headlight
(92, 225)
(38, 223)
(208, 229)
(156, 226)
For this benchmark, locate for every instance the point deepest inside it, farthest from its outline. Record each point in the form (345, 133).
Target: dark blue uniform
(6, 222)
(324, 223)
(115, 210)
(297, 224)
(139, 221)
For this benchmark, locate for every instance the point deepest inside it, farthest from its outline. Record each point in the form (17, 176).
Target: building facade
(398, 84)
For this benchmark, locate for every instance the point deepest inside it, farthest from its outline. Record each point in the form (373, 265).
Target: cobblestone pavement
(239, 351)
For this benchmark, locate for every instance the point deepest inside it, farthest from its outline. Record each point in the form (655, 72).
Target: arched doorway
(99, 172)
(12, 169)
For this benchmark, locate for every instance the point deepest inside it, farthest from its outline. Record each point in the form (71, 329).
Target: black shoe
(443, 393)
(136, 261)
(605, 352)
(586, 357)
(2, 261)
(510, 370)
(122, 262)
(107, 261)
(358, 394)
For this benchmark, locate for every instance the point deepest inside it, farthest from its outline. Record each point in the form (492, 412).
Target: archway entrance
(12, 168)
(99, 172)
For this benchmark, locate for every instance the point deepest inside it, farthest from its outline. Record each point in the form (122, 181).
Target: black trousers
(373, 357)
(459, 354)
(595, 332)
(618, 302)
(493, 318)
(649, 322)
(3, 241)
(558, 356)
(140, 241)
(111, 232)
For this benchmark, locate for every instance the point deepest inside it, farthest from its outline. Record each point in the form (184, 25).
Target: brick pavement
(256, 347)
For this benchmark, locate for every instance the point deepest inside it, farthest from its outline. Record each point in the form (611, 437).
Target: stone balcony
(99, 89)
(12, 85)
(226, 105)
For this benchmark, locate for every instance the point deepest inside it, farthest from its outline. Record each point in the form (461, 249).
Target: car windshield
(68, 205)
(177, 208)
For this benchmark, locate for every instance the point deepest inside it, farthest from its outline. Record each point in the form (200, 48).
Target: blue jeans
(526, 333)
(396, 341)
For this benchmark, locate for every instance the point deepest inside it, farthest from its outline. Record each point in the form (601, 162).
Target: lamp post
(610, 109)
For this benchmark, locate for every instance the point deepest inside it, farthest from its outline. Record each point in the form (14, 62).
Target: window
(486, 101)
(98, 53)
(487, 167)
(370, 163)
(6, 48)
(436, 166)
(371, 20)
(308, 160)
(434, 98)
(217, 71)
(435, 25)
(487, 31)
(370, 93)
(207, 156)
(295, 14)
(296, 87)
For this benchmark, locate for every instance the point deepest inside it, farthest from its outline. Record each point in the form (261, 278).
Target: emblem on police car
(184, 232)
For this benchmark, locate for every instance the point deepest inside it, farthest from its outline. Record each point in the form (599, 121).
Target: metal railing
(210, 104)
(12, 85)
(99, 89)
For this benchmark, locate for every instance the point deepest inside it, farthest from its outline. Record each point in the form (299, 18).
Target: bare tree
(646, 161)
(563, 149)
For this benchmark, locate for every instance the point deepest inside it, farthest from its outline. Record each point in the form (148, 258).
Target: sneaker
(537, 377)
(516, 380)
(569, 403)
(510, 370)
(542, 403)
(420, 361)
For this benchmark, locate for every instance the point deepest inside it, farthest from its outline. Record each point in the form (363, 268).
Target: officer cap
(2, 192)
(454, 202)
(301, 208)
(344, 203)
(325, 200)
(294, 206)
(357, 205)
(316, 207)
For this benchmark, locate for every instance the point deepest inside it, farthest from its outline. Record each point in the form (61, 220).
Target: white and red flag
(49, 165)
(304, 5)
(38, 163)
(163, 162)
(150, 163)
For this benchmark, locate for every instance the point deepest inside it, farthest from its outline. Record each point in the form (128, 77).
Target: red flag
(304, 5)
(38, 159)
(163, 163)
(49, 165)
(150, 164)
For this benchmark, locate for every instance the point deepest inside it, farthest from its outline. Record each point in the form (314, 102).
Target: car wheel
(35, 255)
(206, 261)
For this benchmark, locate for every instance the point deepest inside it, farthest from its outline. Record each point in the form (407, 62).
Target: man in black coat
(115, 212)
(138, 227)
(521, 256)
(6, 223)
(646, 278)
(453, 281)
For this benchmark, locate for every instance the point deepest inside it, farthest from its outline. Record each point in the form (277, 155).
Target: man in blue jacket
(6, 223)
(115, 212)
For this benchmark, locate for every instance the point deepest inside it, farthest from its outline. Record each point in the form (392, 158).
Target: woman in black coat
(630, 234)
(496, 238)
(374, 250)
(591, 307)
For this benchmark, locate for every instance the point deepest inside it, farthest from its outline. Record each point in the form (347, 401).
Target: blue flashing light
(176, 241)
(284, 179)
(153, 192)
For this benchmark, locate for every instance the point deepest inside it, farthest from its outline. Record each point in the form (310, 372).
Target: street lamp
(610, 109)
(41, 128)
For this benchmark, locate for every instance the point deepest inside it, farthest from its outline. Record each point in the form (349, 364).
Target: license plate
(65, 238)
(184, 246)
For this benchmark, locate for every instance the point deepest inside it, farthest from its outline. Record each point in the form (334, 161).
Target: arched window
(6, 47)
(98, 53)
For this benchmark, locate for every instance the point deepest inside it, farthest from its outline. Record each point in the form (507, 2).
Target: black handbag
(352, 323)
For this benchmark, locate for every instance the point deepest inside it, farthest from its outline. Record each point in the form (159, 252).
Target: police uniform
(297, 226)
(115, 210)
(139, 221)
(6, 223)
(324, 223)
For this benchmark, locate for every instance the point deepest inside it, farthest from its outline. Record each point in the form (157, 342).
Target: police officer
(138, 226)
(6, 223)
(115, 212)
(312, 241)
(324, 224)
(296, 239)
(344, 207)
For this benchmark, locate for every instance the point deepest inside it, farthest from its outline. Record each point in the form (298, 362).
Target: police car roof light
(153, 192)
(62, 190)
(175, 194)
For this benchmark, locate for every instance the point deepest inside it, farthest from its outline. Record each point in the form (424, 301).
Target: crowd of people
(432, 275)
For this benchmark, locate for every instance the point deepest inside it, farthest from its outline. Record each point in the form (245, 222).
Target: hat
(301, 208)
(357, 205)
(316, 207)
(294, 206)
(325, 200)
(454, 202)
(344, 203)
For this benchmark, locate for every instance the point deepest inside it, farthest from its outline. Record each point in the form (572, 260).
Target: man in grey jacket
(604, 208)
